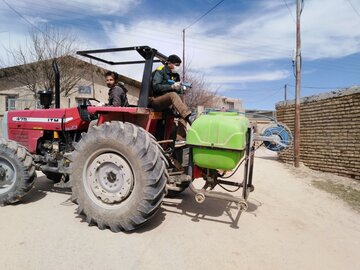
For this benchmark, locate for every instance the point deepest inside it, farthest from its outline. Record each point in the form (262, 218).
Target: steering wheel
(86, 101)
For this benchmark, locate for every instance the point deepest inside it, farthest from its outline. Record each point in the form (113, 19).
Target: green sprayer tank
(218, 140)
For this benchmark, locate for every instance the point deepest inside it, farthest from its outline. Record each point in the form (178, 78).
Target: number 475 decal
(40, 119)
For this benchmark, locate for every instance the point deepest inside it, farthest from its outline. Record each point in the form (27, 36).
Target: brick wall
(329, 131)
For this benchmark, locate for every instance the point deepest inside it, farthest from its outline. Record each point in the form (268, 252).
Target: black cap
(174, 59)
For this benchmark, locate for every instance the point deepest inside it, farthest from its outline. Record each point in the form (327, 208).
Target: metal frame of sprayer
(276, 137)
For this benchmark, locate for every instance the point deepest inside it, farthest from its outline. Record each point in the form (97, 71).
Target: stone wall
(329, 131)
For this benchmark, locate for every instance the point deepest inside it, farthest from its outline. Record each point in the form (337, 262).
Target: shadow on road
(153, 223)
(211, 210)
(41, 187)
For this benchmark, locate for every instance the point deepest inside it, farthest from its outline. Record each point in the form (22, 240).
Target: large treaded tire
(20, 170)
(137, 150)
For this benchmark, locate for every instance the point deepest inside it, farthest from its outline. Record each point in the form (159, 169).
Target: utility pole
(298, 79)
(183, 73)
(285, 94)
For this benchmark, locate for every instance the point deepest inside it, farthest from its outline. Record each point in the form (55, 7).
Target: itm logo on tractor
(41, 120)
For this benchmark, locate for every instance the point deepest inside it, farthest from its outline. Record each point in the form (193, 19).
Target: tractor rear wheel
(118, 176)
(17, 172)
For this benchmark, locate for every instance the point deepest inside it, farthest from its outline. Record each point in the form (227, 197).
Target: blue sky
(244, 48)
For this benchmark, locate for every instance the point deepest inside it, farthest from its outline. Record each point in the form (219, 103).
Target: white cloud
(36, 20)
(255, 77)
(95, 7)
(109, 6)
(329, 30)
(152, 33)
(203, 53)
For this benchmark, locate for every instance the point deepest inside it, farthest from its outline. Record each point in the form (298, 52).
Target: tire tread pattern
(153, 164)
(26, 173)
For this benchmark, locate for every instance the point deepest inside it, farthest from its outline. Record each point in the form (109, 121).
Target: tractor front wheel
(118, 176)
(17, 172)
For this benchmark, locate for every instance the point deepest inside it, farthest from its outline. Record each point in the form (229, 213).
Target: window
(85, 89)
(10, 103)
(231, 106)
(82, 101)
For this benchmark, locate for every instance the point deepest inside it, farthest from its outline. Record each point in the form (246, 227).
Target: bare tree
(33, 63)
(200, 93)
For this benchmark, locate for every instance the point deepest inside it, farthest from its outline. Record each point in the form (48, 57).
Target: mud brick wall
(329, 131)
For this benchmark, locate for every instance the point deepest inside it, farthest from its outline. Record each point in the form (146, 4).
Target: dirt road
(289, 225)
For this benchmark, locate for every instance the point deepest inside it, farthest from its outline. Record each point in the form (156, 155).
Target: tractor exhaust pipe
(57, 83)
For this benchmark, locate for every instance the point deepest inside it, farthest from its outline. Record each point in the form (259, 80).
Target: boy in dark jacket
(117, 91)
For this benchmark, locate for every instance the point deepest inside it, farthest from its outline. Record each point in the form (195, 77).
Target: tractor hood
(27, 126)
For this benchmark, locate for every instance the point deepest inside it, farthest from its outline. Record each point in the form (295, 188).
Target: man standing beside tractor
(166, 94)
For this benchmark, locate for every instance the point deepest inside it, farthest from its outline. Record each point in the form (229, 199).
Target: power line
(183, 32)
(216, 47)
(357, 12)
(80, 25)
(202, 16)
(33, 25)
(212, 47)
(23, 17)
(289, 10)
(321, 87)
(26, 20)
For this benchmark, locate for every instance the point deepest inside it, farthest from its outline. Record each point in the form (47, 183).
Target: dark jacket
(118, 97)
(160, 82)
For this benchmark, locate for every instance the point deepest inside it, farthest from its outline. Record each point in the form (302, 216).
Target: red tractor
(120, 162)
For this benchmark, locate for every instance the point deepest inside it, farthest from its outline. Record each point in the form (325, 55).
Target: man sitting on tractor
(117, 91)
(166, 94)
